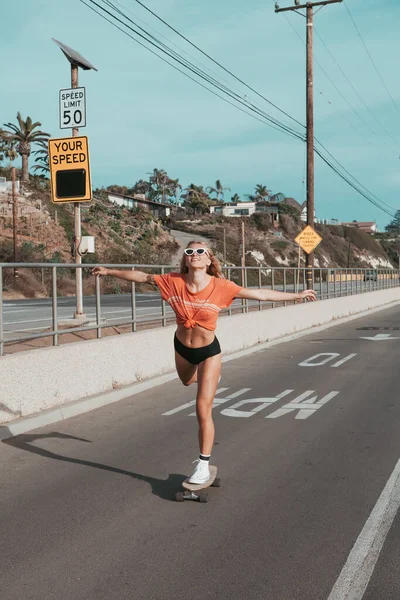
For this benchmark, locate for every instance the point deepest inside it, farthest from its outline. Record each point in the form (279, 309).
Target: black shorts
(196, 355)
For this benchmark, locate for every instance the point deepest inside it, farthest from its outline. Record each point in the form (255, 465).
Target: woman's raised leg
(186, 371)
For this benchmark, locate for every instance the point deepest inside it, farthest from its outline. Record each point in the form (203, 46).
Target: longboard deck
(193, 487)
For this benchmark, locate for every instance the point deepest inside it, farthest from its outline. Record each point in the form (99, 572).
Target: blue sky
(143, 114)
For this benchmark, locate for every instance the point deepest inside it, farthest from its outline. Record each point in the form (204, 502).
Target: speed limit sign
(72, 108)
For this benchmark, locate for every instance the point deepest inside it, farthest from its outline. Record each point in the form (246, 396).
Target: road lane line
(357, 572)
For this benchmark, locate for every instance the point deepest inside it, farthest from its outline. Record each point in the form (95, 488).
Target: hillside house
(157, 210)
(367, 226)
(245, 209)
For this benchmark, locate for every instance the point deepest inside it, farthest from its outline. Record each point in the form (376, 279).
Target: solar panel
(74, 57)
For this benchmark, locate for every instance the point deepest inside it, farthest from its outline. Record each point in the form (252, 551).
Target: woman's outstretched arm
(274, 296)
(135, 276)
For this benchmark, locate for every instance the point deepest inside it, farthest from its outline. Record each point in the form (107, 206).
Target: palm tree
(24, 135)
(163, 186)
(218, 190)
(261, 193)
(7, 147)
(236, 198)
(175, 188)
(42, 157)
(195, 197)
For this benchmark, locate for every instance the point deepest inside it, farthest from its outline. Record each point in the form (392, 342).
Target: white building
(157, 209)
(244, 209)
(234, 209)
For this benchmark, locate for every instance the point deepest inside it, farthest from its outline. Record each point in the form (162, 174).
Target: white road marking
(189, 404)
(91, 315)
(306, 409)
(218, 401)
(379, 337)
(356, 573)
(329, 356)
(345, 359)
(262, 403)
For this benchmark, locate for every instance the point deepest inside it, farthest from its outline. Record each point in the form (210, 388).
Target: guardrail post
(259, 287)
(246, 302)
(54, 305)
(242, 278)
(273, 283)
(284, 284)
(98, 308)
(229, 278)
(1, 314)
(163, 313)
(320, 284)
(133, 303)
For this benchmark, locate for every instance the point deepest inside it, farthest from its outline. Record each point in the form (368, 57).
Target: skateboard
(196, 491)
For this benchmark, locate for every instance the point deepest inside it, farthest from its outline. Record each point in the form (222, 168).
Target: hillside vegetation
(133, 236)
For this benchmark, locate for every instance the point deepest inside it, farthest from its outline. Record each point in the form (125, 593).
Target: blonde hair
(214, 269)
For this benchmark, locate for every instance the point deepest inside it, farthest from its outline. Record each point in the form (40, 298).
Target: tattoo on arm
(150, 279)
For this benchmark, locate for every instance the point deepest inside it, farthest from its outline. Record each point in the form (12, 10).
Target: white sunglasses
(191, 251)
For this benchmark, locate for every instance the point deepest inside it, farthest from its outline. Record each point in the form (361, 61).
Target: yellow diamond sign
(308, 239)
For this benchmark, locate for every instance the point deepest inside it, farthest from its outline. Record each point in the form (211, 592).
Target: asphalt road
(87, 509)
(34, 315)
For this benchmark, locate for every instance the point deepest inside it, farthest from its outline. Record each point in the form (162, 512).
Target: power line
(352, 177)
(172, 54)
(355, 91)
(265, 118)
(172, 43)
(350, 183)
(217, 63)
(334, 85)
(370, 57)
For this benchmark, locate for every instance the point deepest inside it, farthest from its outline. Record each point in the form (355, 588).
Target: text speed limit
(72, 108)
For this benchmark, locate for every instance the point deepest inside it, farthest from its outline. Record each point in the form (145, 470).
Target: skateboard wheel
(203, 497)
(179, 497)
(216, 482)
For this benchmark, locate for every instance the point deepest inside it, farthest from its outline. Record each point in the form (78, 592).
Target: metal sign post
(76, 61)
(79, 314)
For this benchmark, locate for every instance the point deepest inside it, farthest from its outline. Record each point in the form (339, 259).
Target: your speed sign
(72, 108)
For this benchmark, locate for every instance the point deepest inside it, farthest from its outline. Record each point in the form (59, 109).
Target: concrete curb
(79, 407)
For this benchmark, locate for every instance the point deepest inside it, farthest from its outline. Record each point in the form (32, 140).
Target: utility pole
(309, 116)
(15, 217)
(224, 246)
(242, 249)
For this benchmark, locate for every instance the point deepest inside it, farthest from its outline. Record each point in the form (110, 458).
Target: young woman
(197, 294)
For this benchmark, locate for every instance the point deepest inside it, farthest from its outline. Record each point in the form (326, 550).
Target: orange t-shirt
(198, 308)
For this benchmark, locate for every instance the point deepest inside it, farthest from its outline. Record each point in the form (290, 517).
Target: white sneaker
(201, 473)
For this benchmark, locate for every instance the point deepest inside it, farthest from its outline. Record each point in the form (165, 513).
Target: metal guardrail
(328, 283)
